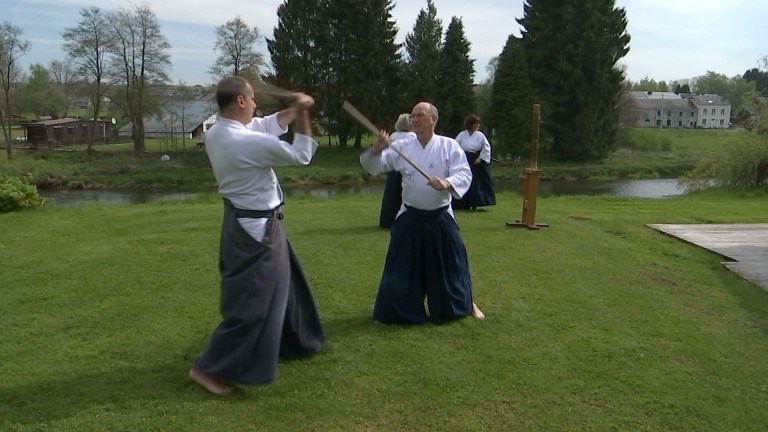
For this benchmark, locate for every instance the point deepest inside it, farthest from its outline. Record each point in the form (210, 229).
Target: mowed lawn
(597, 323)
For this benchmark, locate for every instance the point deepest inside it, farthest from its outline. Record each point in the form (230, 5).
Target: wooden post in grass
(531, 185)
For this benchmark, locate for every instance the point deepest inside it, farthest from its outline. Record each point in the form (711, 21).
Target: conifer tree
(422, 48)
(511, 100)
(344, 49)
(362, 63)
(572, 50)
(456, 97)
(294, 50)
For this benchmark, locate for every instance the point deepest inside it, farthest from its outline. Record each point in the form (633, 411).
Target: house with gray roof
(180, 119)
(670, 110)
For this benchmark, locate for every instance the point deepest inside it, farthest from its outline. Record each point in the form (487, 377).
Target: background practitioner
(478, 152)
(391, 201)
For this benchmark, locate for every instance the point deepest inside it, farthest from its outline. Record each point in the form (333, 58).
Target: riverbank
(644, 188)
(646, 154)
(595, 323)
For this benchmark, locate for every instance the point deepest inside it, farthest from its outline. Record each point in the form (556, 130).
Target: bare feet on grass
(212, 384)
(476, 312)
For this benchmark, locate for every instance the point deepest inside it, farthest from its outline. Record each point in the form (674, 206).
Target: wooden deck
(744, 245)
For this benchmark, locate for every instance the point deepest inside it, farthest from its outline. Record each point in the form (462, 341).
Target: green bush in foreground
(18, 193)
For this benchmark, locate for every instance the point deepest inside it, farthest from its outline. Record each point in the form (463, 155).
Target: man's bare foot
(212, 384)
(476, 312)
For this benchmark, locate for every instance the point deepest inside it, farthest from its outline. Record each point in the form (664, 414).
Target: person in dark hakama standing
(267, 307)
(478, 152)
(426, 256)
(391, 201)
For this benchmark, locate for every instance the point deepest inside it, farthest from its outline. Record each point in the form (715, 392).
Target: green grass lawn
(596, 323)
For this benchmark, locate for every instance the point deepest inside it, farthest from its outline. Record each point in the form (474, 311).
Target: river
(652, 188)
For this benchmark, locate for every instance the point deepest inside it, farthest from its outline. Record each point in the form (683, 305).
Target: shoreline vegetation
(642, 153)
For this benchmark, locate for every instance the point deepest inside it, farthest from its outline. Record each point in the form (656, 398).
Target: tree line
(567, 59)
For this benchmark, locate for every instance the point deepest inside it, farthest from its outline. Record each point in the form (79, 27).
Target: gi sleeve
(460, 139)
(268, 125)
(485, 152)
(459, 173)
(380, 163)
(270, 151)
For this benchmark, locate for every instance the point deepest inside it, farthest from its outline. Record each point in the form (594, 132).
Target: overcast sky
(671, 39)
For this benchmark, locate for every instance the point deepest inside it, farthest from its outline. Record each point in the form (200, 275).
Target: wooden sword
(357, 115)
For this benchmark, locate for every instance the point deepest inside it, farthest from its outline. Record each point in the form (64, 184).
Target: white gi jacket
(441, 157)
(476, 141)
(242, 157)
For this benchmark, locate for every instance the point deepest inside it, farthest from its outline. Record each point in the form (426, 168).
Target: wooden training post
(531, 185)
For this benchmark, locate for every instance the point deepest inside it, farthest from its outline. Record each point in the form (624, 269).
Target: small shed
(68, 131)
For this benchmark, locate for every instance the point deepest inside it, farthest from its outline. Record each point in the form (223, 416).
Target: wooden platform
(744, 245)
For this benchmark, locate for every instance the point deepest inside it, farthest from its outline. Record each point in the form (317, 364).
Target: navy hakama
(392, 199)
(480, 193)
(426, 258)
(266, 303)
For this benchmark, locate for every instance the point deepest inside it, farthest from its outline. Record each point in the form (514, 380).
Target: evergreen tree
(483, 93)
(572, 50)
(294, 51)
(511, 100)
(363, 63)
(422, 48)
(456, 97)
(344, 50)
(760, 79)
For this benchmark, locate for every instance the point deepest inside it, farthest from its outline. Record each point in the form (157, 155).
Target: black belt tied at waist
(426, 215)
(256, 214)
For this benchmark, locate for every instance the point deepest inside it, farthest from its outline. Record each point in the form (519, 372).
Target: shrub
(741, 165)
(18, 193)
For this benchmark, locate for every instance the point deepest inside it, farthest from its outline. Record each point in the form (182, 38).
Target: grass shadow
(59, 398)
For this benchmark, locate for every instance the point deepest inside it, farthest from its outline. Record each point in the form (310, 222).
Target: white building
(667, 109)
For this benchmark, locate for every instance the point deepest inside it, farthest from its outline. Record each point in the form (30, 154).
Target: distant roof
(56, 122)
(642, 94)
(194, 112)
(709, 99)
(658, 104)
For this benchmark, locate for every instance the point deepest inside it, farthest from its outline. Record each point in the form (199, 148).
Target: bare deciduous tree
(236, 42)
(63, 75)
(139, 59)
(12, 47)
(87, 45)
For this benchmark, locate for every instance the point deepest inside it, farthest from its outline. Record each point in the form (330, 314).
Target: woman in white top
(478, 152)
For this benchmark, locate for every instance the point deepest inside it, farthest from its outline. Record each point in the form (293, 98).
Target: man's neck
(234, 117)
(425, 137)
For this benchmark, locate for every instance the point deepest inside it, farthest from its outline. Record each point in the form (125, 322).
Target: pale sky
(671, 39)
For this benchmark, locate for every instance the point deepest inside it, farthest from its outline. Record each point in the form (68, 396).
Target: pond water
(653, 188)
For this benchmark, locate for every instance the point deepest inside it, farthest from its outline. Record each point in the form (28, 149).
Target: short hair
(403, 123)
(433, 110)
(470, 120)
(228, 89)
